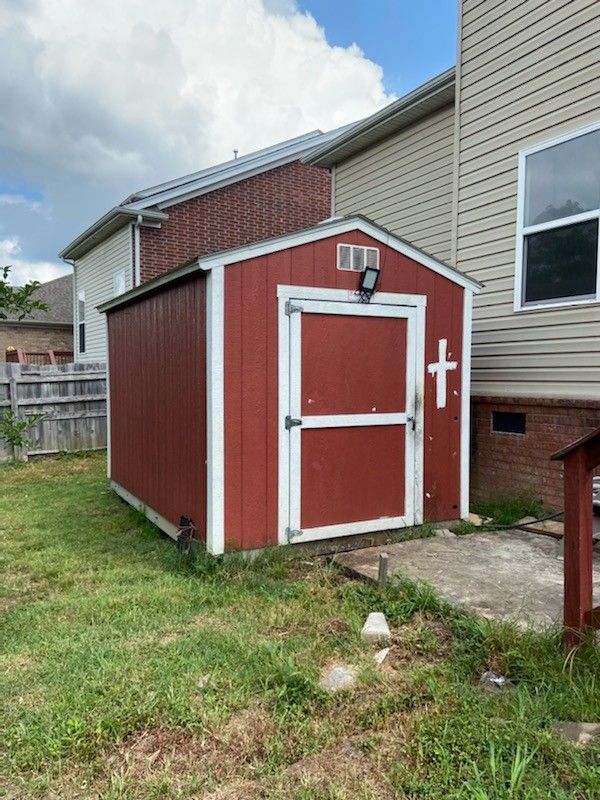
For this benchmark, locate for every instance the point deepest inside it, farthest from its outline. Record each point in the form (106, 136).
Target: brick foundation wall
(282, 200)
(513, 463)
(34, 339)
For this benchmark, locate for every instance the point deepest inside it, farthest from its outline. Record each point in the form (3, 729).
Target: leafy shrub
(13, 429)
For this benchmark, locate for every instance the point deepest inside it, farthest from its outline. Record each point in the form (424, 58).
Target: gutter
(378, 124)
(113, 219)
(137, 272)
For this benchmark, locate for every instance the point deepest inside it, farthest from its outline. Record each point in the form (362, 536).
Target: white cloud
(101, 99)
(9, 199)
(24, 270)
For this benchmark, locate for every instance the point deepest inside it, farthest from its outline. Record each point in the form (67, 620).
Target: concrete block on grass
(376, 629)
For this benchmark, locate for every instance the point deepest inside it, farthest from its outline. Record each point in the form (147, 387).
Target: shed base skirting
(154, 517)
(505, 464)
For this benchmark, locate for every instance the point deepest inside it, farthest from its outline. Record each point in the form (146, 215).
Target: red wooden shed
(253, 392)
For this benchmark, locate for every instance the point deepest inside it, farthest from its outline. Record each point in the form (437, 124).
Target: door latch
(290, 422)
(412, 422)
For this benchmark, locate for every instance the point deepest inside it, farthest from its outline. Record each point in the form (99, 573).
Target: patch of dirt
(424, 639)
(335, 627)
(182, 752)
(346, 767)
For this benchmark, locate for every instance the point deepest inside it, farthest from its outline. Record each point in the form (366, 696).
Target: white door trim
(312, 299)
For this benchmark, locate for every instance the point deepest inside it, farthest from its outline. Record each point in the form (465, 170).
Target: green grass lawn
(128, 673)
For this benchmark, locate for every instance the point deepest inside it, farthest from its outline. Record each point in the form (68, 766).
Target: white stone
(474, 519)
(444, 533)
(339, 677)
(376, 628)
(580, 733)
(381, 656)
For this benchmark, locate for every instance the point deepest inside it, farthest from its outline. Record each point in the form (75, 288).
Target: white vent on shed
(355, 258)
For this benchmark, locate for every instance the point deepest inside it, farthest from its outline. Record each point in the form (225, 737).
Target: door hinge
(290, 308)
(292, 533)
(290, 422)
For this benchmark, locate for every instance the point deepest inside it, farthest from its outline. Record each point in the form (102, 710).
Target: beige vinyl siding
(527, 72)
(94, 274)
(405, 183)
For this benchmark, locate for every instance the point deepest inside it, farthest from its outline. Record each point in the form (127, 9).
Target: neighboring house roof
(58, 296)
(148, 203)
(329, 227)
(422, 101)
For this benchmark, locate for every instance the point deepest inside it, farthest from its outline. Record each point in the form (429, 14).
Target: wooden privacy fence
(72, 398)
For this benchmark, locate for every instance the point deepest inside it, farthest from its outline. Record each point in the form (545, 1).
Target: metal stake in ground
(383, 569)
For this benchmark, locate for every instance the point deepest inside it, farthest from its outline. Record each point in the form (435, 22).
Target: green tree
(18, 301)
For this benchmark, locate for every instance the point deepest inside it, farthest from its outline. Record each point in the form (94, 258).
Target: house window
(559, 213)
(119, 286)
(81, 321)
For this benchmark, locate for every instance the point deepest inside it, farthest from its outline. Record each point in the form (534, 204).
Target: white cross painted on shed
(439, 370)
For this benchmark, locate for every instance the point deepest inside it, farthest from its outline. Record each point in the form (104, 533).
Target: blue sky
(412, 41)
(102, 99)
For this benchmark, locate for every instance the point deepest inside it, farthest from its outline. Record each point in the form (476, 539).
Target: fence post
(19, 453)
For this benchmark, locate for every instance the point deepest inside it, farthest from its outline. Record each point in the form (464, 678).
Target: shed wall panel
(157, 363)
(251, 378)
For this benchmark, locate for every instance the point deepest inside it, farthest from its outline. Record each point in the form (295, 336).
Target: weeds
(128, 672)
(510, 509)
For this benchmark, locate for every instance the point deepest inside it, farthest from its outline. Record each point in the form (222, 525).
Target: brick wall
(284, 199)
(513, 463)
(34, 339)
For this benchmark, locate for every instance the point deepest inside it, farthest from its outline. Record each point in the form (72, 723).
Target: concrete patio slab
(514, 576)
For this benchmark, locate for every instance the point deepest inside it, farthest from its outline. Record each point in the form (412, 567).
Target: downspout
(136, 250)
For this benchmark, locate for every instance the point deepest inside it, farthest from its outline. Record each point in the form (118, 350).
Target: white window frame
(526, 230)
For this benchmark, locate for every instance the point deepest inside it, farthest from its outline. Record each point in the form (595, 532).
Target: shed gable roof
(325, 230)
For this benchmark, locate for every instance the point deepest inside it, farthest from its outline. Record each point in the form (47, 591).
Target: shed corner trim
(215, 412)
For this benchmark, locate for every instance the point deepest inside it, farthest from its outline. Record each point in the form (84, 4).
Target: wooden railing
(53, 357)
(580, 460)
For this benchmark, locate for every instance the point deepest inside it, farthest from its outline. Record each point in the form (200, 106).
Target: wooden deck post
(580, 459)
(578, 521)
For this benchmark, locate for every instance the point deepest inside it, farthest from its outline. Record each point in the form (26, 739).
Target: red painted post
(51, 357)
(578, 521)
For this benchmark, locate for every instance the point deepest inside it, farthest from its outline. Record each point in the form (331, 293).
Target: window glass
(81, 321)
(119, 282)
(563, 180)
(561, 262)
